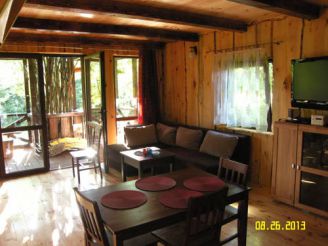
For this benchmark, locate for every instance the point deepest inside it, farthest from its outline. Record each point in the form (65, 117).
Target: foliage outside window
(243, 90)
(18, 90)
(126, 84)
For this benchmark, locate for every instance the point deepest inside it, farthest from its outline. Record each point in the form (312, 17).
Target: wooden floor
(63, 160)
(41, 210)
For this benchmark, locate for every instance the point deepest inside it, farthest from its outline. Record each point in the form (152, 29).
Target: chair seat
(171, 235)
(85, 153)
(174, 236)
(230, 214)
(143, 240)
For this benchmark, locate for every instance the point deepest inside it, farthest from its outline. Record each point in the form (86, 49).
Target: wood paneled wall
(187, 93)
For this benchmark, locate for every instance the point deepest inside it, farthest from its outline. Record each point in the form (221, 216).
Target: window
(243, 90)
(126, 85)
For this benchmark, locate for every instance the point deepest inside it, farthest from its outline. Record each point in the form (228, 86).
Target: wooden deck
(41, 210)
(23, 158)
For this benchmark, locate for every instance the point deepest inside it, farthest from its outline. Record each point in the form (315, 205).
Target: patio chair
(235, 173)
(202, 225)
(94, 230)
(88, 158)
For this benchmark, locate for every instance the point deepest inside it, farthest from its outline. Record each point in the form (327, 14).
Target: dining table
(152, 215)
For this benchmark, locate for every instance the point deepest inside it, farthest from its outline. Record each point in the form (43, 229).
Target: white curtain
(242, 94)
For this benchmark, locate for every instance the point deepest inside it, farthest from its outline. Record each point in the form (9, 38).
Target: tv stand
(300, 166)
(300, 120)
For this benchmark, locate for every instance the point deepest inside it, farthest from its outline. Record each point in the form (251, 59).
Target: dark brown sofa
(186, 157)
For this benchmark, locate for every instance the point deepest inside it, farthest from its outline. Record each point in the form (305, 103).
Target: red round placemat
(178, 197)
(155, 183)
(204, 183)
(123, 199)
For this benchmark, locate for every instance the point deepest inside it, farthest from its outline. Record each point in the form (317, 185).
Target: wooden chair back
(93, 227)
(233, 171)
(204, 218)
(94, 133)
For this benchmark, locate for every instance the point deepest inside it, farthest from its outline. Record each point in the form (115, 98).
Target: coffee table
(134, 158)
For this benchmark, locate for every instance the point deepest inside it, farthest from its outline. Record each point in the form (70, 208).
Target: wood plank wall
(187, 93)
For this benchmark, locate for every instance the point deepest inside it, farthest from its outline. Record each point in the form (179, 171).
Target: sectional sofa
(192, 146)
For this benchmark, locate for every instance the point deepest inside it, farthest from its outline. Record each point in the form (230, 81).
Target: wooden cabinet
(284, 162)
(300, 166)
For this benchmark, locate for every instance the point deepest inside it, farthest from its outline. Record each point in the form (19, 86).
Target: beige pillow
(166, 134)
(140, 135)
(219, 144)
(189, 138)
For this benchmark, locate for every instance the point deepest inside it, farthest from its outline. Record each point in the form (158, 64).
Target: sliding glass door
(23, 131)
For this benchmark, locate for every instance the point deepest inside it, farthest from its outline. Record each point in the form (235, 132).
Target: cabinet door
(311, 191)
(284, 162)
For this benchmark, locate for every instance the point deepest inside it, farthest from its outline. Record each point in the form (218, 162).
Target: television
(310, 83)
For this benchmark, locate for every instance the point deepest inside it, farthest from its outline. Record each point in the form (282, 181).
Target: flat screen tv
(310, 83)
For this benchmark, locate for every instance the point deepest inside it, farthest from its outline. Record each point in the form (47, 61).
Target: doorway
(23, 131)
(45, 103)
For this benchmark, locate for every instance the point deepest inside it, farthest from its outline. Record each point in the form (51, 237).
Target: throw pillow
(219, 144)
(189, 138)
(140, 135)
(166, 134)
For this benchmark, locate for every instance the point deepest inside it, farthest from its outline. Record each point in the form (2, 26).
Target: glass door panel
(22, 127)
(126, 91)
(313, 190)
(315, 151)
(95, 96)
(94, 88)
(23, 150)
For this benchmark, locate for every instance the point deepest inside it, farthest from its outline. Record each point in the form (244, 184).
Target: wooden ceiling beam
(32, 23)
(296, 8)
(9, 10)
(18, 37)
(137, 11)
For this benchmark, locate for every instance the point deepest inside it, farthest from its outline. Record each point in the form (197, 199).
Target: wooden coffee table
(134, 158)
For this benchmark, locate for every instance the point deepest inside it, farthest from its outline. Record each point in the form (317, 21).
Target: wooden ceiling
(145, 21)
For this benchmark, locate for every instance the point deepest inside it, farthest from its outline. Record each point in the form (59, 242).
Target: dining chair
(95, 233)
(202, 225)
(236, 173)
(88, 158)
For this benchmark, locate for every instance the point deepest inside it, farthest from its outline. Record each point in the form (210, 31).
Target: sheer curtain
(242, 95)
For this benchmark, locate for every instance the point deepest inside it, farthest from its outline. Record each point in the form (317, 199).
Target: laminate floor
(41, 210)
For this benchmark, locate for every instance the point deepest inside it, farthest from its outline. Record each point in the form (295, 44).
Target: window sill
(242, 130)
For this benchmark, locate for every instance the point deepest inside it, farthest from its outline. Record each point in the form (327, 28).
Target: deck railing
(66, 125)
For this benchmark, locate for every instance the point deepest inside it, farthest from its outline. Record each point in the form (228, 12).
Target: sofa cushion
(200, 160)
(166, 134)
(219, 144)
(140, 135)
(189, 138)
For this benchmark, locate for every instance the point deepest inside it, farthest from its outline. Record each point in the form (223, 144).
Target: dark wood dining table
(152, 215)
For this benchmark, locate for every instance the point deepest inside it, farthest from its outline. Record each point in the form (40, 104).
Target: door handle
(298, 167)
(293, 166)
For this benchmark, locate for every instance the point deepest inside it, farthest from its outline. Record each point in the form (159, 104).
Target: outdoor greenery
(12, 90)
(95, 85)
(126, 82)
(59, 76)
